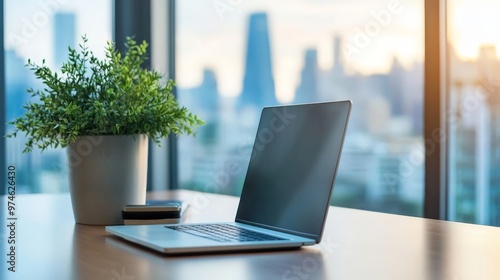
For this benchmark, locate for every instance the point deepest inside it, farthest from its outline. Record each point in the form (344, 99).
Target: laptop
(286, 192)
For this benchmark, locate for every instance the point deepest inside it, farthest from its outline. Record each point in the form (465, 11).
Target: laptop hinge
(306, 235)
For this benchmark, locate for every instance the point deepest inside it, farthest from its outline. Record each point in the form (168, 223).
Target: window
(474, 111)
(43, 30)
(234, 57)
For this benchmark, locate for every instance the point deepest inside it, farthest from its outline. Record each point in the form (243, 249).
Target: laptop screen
(292, 168)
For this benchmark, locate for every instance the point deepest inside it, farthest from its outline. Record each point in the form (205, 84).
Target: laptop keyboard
(224, 233)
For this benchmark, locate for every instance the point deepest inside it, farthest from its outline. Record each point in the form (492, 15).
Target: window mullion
(3, 102)
(435, 132)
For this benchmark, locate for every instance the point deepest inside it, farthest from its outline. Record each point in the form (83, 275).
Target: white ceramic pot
(106, 173)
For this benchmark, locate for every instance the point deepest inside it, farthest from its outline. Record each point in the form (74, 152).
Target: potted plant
(104, 111)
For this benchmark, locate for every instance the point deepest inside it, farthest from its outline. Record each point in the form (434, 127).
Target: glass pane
(234, 57)
(43, 30)
(474, 111)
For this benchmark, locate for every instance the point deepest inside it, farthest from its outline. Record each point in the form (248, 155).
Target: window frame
(143, 14)
(131, 19)
(173, 171)
(435, 102)
(3, 104)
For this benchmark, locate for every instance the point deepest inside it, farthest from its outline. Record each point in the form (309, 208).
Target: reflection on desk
(356, 245)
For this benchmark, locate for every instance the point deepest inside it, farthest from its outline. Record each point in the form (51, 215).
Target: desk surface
(356, 245)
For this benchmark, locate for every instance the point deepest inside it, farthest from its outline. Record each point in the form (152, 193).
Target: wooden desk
(356, 245)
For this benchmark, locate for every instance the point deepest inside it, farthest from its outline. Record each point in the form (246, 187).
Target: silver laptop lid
(292, 169)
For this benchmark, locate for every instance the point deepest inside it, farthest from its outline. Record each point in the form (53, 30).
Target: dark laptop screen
(292, 168)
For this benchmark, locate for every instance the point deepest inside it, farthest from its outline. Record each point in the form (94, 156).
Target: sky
(212, 34)
(471, 25)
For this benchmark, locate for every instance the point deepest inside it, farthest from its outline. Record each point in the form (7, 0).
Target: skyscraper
(64, 36)
(335, 83)
(258, 83)
(395, 90)
(338, 61)
(488, 66)
(308, 89)
(208, 95)
(475, 160)
(17, 82)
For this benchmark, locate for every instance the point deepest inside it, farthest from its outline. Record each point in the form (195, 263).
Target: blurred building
(64, 36)
(258, 81)
(18, 81)
(475, 139)
(307, 90)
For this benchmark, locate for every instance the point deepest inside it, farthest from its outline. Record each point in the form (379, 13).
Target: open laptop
(286, 193)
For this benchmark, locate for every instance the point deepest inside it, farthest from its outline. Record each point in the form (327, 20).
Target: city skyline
(394, 98)
(406, 25)
(224, 39)
(390, 117)
(294, 27)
